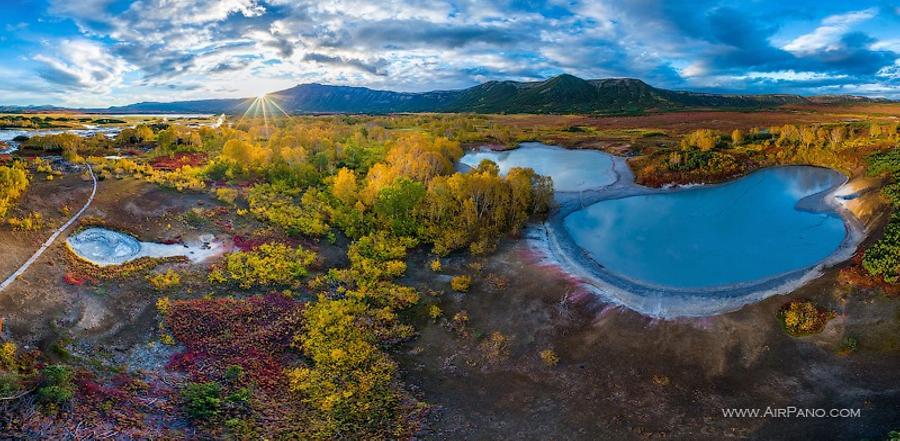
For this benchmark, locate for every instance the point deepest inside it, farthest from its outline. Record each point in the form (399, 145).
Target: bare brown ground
(623, 376)
(41, 307)
(47, 198)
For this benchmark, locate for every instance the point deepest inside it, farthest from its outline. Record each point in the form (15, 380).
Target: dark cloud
(376, 68)
(416, 33)
(61, 77)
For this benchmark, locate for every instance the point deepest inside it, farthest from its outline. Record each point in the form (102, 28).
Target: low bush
(461, 283)
(801, 317)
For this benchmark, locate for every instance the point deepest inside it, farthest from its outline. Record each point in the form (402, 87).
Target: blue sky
(107, 52)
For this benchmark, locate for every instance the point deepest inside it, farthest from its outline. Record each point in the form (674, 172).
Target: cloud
(81, 64)
(375, 68)
(233, 46)
(828, 36)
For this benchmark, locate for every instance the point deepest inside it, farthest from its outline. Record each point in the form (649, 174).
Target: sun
(264, 106)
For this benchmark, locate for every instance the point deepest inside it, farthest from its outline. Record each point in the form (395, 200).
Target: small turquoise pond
(740, 232)
(571, 170)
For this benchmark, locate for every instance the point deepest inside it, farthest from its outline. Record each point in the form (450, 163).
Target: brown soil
(41, 307)
(625, 376)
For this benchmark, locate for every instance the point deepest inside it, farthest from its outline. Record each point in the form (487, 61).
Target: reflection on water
(571, 170)
(743, 231)
(7, 136)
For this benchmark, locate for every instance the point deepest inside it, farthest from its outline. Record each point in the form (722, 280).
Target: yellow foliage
(163, 304)
(164, 281)
(270, 264)
(13, 183)
(434, 311)
(461, 283)
(227, 195)
(549, 357)
(34, 221)
(8, 355)
(344, 187)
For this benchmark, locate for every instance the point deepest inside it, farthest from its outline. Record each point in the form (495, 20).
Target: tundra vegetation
(271, 343)
(311, 344)
(13, 183)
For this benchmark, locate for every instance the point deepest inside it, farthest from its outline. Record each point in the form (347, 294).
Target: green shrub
(882, 259)
(202, 401)
(9, 383)
(57, 387)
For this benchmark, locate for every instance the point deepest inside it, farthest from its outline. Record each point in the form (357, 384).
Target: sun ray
(275, 103)
(265, 114)
(253, 105)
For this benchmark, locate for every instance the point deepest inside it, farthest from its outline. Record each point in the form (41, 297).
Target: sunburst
(264, 106)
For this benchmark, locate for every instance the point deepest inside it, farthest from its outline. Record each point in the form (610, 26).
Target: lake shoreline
(554, 242)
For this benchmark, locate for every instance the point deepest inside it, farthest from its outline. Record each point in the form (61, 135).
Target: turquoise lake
(743, 231)
(571, 170)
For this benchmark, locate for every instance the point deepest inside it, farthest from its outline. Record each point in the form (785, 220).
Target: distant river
(7, 135)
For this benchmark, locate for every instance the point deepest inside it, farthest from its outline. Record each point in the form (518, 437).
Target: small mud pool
(104, 247)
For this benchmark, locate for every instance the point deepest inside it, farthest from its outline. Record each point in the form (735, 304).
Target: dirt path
(37, 254)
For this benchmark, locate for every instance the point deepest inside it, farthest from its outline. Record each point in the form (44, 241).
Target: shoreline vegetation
(294, 334)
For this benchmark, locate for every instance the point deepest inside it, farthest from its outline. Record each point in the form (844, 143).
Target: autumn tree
(13, 183)
(737, 137)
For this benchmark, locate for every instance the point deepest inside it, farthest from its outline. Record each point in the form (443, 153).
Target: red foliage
(178, 160)
(247, 244)
(856, 275)
(75, 280)
(124, 405)
(254, 333)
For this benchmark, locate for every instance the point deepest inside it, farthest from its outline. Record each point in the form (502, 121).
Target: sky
(89, 53)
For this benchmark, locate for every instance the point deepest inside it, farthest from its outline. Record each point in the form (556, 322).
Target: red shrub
(178, 160)
(254, 333)
(247, 244)
(74, 280)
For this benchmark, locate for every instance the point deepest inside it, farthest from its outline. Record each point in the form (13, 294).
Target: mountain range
(560, 94)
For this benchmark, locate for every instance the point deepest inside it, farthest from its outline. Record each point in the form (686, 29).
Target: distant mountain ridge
(560, 94)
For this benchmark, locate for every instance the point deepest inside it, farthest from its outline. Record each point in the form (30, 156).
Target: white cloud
(789, 75)
(186, 49)
(695, 69)
(827, 36)
(82, 64)
(179, 12)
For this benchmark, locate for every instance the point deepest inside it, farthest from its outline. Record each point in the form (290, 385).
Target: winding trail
(37, 254)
